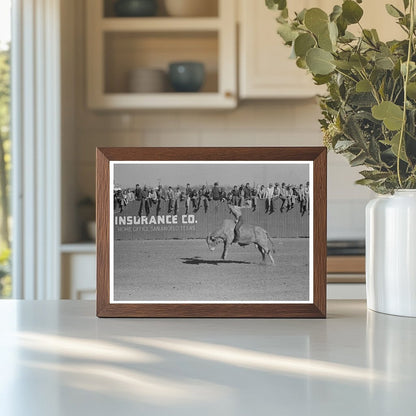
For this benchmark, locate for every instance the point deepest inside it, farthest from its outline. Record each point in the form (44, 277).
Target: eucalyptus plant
(369, 111)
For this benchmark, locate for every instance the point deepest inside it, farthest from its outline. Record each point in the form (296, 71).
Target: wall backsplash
(254, 123)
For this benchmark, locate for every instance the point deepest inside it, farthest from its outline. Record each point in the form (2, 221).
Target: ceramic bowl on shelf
(186, 76)
(191, 8)
(135, 8)
(147, 81)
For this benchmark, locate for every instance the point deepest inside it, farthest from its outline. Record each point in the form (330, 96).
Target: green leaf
(393, 11)
(363, 86)
(368, 36)
(406, 4)
(374, 150)
(411, 90)
(320, 61)
(358, 61)
(301, 63)
(276, 4)
(301, 15)
(342, 25)
(412, 67)
(287, 33)
(333, 32)
(388, 112)
(375, 35)
(365, 182)
(351, 11)
(316, 20)
(384, 62)
(358, 160)
(394, 145)
(344, 65)
(354, 132)
(336, 12)
(321, 79)
(374, 174)
(347, 37)
(343, 145)
(325, 42)
(303, 43)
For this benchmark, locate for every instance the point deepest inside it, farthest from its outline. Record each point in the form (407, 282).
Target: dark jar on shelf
(135, 8)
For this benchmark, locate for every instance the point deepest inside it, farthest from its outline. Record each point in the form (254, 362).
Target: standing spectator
(241, 195)
(277, 190)
(302, 199)
(283, 197)
(290, 198)
(194, 199)
(287, 198)
(247, 193)
(234, 195)
(203, 197)
(130, 195)
(216, 192)
(177, 198)
(159, 196)
(152, 196)
(223, 194)
(269, 199)
(118, 200)
(144, 201)
(307, 196)
(262, 192)
(254, 198)
(138, 192)
(170, 194)
(125, 197)
(188, 196)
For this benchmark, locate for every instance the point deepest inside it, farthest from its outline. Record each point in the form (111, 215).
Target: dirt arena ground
(185, 270)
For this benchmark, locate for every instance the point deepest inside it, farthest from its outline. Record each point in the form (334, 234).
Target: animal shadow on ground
(198, 260)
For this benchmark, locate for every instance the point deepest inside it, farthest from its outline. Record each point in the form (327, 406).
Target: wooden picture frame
(243, 159)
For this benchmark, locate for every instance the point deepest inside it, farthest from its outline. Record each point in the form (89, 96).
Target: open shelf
(126, 51)
(87, 247)
(167, 100)
(160, 24)
(119, 45)
(211, 9)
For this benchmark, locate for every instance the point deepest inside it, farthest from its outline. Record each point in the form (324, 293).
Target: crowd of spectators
(283, 197)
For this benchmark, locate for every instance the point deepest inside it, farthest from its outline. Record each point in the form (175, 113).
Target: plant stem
(406, 80)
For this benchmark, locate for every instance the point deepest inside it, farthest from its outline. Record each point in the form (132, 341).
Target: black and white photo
(211, 232)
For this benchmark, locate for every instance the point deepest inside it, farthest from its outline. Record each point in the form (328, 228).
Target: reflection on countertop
(355, 362)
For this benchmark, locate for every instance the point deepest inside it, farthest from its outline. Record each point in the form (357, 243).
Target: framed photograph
(211, 232)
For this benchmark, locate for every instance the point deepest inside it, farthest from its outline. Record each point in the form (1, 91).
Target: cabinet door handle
(229, 94)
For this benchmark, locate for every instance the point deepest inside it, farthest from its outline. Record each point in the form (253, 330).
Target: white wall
(256, 123)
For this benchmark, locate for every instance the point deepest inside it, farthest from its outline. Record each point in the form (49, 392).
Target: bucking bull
(249, 234)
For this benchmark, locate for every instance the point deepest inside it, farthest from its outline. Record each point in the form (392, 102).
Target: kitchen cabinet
(265, 69)
(118, 45)
(78, 271)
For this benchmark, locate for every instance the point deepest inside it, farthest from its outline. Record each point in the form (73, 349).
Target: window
(5, 147)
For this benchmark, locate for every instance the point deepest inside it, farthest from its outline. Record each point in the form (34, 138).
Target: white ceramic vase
(391, 253)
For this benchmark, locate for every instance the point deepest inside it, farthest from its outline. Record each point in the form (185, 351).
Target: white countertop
(57, 358)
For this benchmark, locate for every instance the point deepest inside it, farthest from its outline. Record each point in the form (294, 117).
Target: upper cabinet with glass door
(161, 54)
